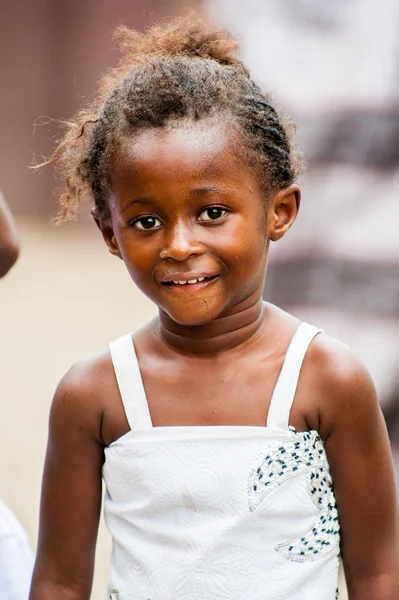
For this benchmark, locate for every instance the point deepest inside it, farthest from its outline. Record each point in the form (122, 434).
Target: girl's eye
(145, 223)
(212, 214)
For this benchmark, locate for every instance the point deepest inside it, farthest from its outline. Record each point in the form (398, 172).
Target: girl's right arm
(71, 492)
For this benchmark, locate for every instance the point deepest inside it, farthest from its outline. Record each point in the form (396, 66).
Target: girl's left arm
(361, 464)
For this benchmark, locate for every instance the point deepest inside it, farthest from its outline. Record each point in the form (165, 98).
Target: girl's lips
(189, 288)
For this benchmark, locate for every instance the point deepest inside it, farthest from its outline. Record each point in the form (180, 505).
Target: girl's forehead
(177, 142)
(203, 149)
(183, 144)
(199, 136)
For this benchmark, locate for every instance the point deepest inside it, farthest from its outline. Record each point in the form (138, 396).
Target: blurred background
(334, 66)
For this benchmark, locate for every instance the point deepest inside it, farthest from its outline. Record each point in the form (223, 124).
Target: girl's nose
(181, 243)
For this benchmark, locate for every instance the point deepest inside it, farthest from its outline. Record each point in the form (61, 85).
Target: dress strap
(130, 383)
(284, 392)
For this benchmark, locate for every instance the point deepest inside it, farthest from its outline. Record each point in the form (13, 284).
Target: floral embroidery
(207, 574)
(304, 453)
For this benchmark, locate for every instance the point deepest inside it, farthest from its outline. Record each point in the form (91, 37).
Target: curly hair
(181, 70)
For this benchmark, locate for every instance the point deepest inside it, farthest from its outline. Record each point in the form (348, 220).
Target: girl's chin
(191, 320)
(193, 316)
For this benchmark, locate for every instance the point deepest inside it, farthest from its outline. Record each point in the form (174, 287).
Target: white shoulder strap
(130, 383)
(284, 392)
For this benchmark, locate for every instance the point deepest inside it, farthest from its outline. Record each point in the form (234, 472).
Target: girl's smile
(189, 283)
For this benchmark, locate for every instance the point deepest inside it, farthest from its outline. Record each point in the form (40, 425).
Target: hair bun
(188, 36)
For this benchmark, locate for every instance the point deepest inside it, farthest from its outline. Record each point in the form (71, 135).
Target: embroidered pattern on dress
(286, 460)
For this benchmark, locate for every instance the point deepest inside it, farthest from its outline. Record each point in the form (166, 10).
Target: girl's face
(189, 221)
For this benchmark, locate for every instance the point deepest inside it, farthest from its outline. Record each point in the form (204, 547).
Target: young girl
(242, 451)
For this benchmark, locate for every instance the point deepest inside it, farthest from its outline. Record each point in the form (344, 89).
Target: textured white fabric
(229, 512)
(16, 557)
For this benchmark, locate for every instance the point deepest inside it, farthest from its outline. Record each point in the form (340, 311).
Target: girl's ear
(107, 232)
(283, 210)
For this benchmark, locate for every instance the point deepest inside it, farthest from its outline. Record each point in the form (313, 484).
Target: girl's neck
(223, 334)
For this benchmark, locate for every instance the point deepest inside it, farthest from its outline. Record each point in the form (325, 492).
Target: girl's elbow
(51, 590)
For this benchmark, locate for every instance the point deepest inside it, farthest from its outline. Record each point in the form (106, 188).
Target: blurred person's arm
(9, 244)
(71, 491)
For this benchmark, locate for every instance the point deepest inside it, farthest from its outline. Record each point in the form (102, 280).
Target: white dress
(219, 512)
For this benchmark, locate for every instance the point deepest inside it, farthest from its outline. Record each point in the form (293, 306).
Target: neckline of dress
(195, 432)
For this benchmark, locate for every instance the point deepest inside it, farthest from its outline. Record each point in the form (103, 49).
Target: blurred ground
(66, 297)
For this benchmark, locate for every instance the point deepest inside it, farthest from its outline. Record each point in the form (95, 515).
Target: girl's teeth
(198, 280)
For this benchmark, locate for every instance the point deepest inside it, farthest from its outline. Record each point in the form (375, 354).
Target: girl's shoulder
(87, 376)
(340, 383)
(84, 392)
(334, 367)
(334, 385)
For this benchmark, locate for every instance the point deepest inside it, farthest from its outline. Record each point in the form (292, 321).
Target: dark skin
(183, 208)
(9, 244)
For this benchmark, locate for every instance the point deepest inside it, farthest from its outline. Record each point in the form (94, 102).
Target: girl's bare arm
(71, 492)
(360, 458)
(9, 245)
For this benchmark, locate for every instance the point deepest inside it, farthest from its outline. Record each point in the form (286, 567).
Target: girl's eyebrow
(145, 200)
(213, 190)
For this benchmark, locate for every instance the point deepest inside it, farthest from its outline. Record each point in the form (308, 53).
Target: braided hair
(183, 70)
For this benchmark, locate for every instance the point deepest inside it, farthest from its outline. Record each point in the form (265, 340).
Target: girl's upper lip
(186, 276)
